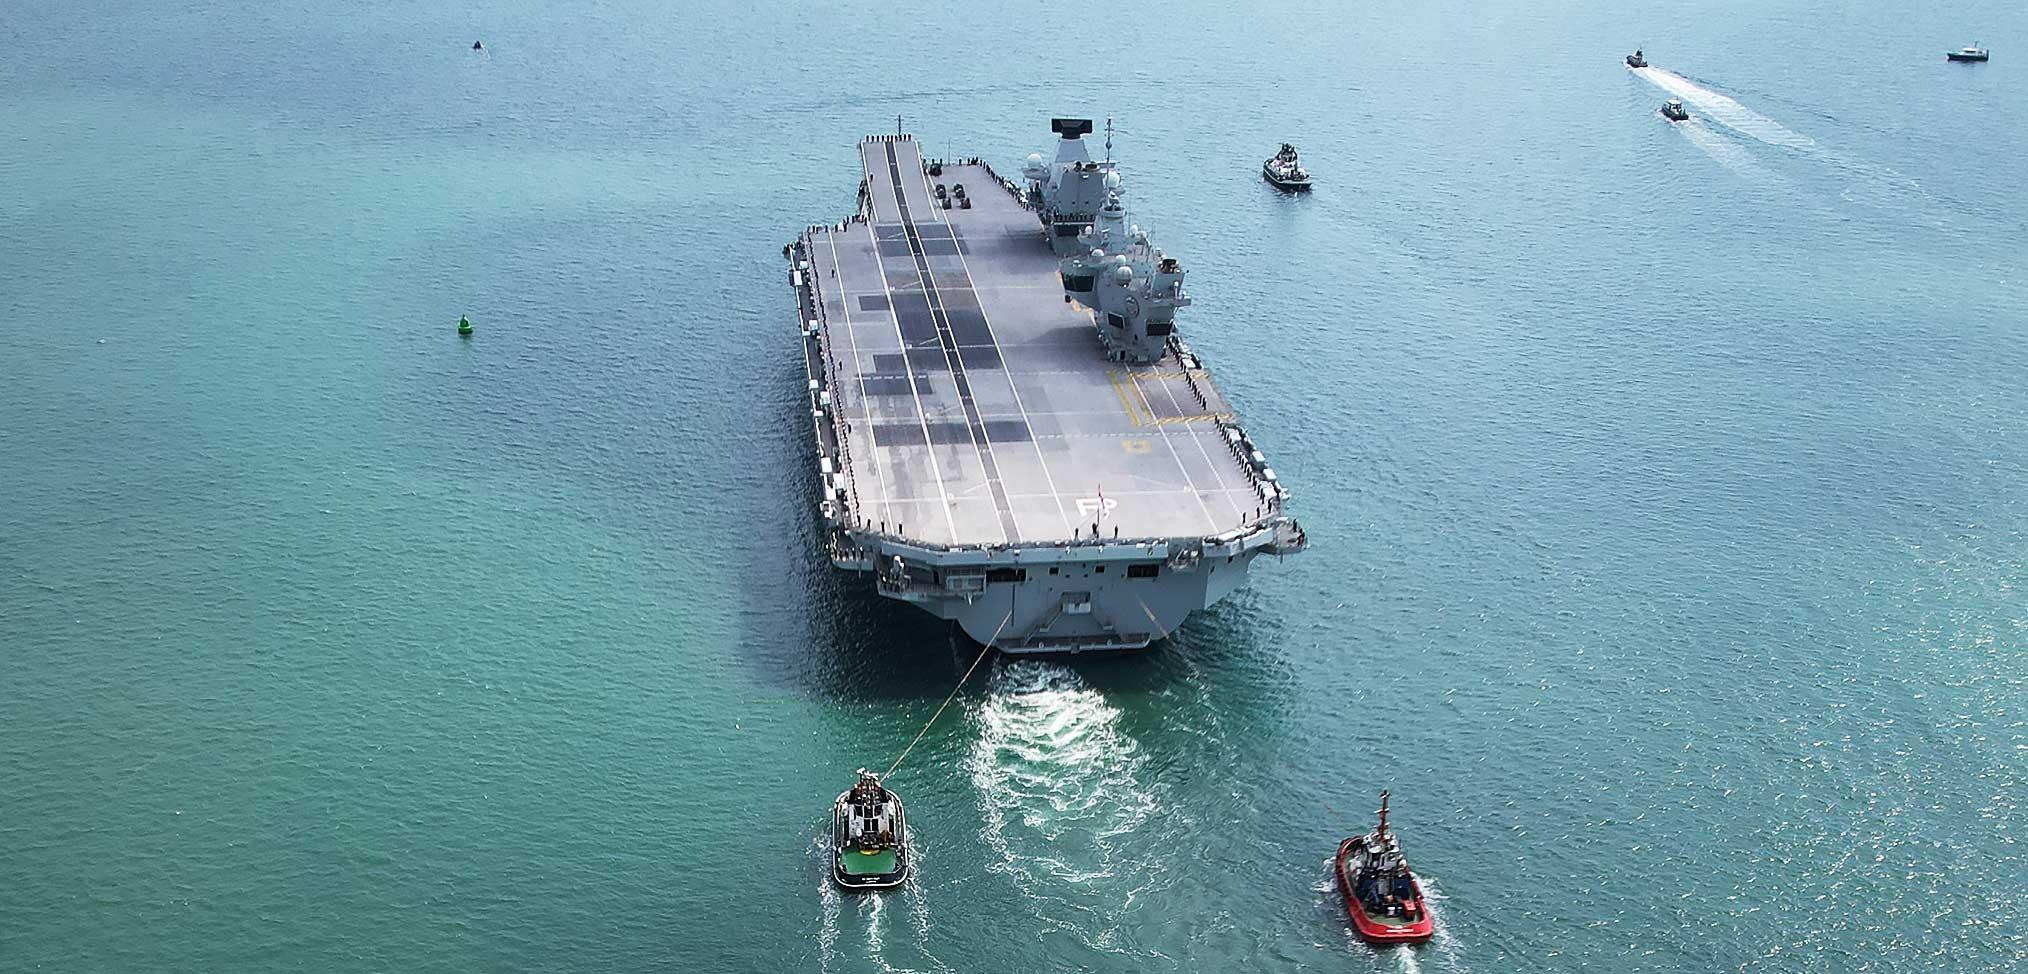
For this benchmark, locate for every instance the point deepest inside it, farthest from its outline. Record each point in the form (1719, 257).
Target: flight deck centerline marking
(915, 394)
(928, 193)
(933, 303)
(1169, 494)
(1038, 495)
(1012, 385)
(941, 321)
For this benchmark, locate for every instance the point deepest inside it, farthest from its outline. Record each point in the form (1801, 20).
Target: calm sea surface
(1668, 488)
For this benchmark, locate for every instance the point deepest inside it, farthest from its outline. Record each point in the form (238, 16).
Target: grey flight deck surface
(982, 450)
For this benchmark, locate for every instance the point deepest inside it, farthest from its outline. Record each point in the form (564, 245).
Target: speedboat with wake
(869, 838)
(1635, 60)
(1970, 52)
(1286, 171)
(1673, 110)
(1382, 896)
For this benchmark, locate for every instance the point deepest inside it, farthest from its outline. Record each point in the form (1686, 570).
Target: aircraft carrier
(1010, 434)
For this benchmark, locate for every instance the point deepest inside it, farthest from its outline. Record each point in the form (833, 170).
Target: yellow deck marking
(1126, 402)
(1153, 420)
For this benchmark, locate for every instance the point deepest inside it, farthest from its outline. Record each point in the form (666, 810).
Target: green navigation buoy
(465, 326)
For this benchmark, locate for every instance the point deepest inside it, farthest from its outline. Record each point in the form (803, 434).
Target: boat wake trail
(1865, 184)
(870, 913)
(1062, 792)
(1445, 942)
(1443, 952)
(1726, 111)
(1722, 150)
(827, 895)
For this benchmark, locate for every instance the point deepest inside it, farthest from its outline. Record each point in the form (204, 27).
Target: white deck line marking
(1109, 493)
(1199, 441)
(1015, 387)
(1162, 432)
(933, 298)
(928, 189)
(845, 298)
(922, 416)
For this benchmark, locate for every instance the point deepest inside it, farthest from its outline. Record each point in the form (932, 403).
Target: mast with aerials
(1107, 264)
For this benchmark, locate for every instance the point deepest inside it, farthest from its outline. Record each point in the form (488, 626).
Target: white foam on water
(828, 897)
(1404, 959)
(1443, 949)
(1865, 183)
(1059, 788)
(918, 906)
(1726, 111)
(872, 907)
(1443, 940)
(1722, 150)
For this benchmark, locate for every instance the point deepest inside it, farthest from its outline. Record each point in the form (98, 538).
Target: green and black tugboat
(869, 839)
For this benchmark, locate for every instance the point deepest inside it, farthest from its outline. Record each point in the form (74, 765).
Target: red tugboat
(1382, 896)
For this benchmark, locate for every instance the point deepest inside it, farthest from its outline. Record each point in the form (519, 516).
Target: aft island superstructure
(1010, 434)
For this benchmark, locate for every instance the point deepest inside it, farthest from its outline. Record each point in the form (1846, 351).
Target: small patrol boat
(1381, 895)
(1970, 52)
(1285, 170)
(1635, 60)
(869, 841)
(1673, 110)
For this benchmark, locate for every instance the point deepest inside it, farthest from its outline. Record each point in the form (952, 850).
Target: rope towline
(983, 650)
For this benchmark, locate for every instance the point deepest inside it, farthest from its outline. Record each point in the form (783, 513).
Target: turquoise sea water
(1668, 488)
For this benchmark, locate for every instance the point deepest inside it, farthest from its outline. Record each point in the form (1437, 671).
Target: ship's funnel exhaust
(1070, 128)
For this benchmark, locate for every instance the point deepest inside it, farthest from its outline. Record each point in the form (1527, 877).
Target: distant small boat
(1970, 52)
(869, 837)
(1285, 170)
(1673, 110)
(1635, 60)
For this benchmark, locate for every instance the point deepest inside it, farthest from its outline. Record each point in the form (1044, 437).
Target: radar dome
(1112, 180)
(1035, 158)
(1123, 274)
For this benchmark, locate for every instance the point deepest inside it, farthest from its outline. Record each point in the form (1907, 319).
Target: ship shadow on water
(831, 635)
(805, 626)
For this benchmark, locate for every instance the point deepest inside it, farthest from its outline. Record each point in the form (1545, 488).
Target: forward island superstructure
(1010, 434)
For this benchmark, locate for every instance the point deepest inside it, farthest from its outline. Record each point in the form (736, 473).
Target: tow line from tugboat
(983, 650)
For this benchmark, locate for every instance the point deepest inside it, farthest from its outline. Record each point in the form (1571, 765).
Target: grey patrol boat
(1010, 434)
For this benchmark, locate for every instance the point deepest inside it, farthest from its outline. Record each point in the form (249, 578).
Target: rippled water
(1665, 485)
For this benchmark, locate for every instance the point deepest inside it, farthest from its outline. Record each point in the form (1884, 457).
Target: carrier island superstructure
(1010, 433)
